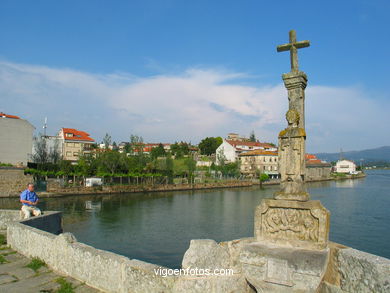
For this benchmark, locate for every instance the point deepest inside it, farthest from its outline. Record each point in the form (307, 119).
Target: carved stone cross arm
(293, 47)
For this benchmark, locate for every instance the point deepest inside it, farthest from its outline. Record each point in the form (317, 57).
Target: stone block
(206, 254)
(363, 272)
(292, 223)
(282, 269)
(139, 276)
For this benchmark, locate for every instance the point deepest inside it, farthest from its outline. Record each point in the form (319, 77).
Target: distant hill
(381, 154)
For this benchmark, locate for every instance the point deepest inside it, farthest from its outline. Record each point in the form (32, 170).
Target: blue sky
(184, 70)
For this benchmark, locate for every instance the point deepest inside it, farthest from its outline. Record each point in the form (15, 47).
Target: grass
(2, 259)
(2, 239)
(36, 264)
(66, 287)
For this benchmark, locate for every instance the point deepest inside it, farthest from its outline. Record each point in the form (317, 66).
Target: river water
(157, 227)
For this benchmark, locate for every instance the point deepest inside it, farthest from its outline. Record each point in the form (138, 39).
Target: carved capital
(294, 80)
(292, 223)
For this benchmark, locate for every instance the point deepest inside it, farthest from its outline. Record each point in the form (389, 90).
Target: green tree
(263, 177)
(252, 136)
(114, 146)
(209, 145)
(158, 151)
(191, 166)
(107, 141)
(136, 144)
(169, 167)
(180, 149)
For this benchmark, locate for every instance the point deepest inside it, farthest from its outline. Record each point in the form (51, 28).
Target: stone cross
(293, 47)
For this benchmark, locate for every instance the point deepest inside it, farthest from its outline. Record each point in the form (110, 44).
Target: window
(76, 144)
(69, 134)
(68, 154)
(70, 144)
(76, 154)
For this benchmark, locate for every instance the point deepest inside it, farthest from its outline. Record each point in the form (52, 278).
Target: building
(263, 161)
(16, 140)
(231, 149)
(74, 143)
(345, 166)
(317, 169)
(146, 147)
(259, 161)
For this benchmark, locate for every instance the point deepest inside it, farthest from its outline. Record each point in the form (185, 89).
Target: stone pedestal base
(271, 268)
(294, 224)
(299, 196)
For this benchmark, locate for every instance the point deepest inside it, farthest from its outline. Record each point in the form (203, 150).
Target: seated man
(29, 199)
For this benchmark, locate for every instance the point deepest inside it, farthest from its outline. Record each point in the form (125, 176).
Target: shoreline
(118, 189)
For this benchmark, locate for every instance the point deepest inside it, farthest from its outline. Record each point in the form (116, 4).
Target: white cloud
(186, 106)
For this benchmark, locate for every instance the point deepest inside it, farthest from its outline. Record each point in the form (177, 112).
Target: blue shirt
(28, 195)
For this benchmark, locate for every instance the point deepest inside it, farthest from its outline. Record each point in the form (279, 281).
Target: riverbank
(57, 191)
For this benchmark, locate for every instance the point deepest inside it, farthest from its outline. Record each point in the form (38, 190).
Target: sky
(176, 70)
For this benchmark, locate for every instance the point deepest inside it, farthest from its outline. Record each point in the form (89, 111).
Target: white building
(16, 139)
(230, 149)
(345, 166)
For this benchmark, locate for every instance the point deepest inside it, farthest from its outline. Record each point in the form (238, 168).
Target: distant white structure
(230, 149)
(345, 166)
(16, 139)
(93, 181)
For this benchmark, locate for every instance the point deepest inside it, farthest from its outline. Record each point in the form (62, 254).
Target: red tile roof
(310, 157)
(77, 135)
(8, 116)
(235, 143)
(259, 152)
(314, 161)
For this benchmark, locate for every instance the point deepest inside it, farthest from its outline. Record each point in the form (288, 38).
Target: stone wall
(351, 270)
(99, 269)
(346, 270)
(7, 216)
(13, 181)
(317, 172)
(54, 187)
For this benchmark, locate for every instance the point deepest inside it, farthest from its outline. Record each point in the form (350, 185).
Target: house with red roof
(74, 143)
(229, 150)
(317, 169)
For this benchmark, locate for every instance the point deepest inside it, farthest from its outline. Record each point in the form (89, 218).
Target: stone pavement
(16, 277)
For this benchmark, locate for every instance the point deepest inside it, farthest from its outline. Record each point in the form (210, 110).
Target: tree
(158, 151)
(221, 158)
(127, 148)
(169, 167)
(107, 141)
(263, 177)
(54, 152)
(136, 144)
(191, 166)
(209, 145)
(180, 149)
(41, 153)
(252, 136)
(114, 146)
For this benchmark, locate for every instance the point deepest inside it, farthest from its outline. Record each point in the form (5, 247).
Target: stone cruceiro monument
(291, 218)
